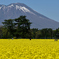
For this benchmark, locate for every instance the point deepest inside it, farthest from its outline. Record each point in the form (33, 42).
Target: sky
(48, 8)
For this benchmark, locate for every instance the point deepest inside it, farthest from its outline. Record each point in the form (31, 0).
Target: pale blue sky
(49, 8)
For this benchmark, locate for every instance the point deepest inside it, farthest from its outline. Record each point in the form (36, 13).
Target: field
(29, 49)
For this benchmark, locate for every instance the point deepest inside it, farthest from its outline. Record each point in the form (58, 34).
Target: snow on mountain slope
(22, 8)
(11, 5)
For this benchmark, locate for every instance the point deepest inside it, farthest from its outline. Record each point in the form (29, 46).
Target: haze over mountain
(15, 10)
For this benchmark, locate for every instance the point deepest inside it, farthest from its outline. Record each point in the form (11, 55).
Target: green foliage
(19, 27)
(0, 32)
(33, 32)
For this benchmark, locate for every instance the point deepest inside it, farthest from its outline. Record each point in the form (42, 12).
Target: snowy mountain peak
(11, 5)
(22, 8)
(2, 6)
(17, 7)
(14, 10)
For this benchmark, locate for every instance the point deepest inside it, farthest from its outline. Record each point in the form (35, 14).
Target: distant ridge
(14, 10)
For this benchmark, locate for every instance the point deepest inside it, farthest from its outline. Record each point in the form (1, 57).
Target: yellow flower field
(29, 49)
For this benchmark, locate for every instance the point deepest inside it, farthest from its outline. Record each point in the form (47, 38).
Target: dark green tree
(50, 33)
(9, 25)
(19, 27)
(57, 33)
(34, 30)
(38, 35)
(23, 27)
(44, 33)
(0, 32)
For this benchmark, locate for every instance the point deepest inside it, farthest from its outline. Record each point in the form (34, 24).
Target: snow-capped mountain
(15, 10)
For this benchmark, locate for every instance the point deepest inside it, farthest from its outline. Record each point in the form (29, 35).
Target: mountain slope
(15, 10)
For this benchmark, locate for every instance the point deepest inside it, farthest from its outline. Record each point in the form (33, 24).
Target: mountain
(14, 10)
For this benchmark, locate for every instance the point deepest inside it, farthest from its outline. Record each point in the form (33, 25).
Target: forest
(20, 28)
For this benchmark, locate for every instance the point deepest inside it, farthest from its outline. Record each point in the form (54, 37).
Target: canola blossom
(29, 49)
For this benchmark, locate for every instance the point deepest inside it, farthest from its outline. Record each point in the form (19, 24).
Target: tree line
(20, 28)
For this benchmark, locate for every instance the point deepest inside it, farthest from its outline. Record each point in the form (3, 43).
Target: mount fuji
(15, 10)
